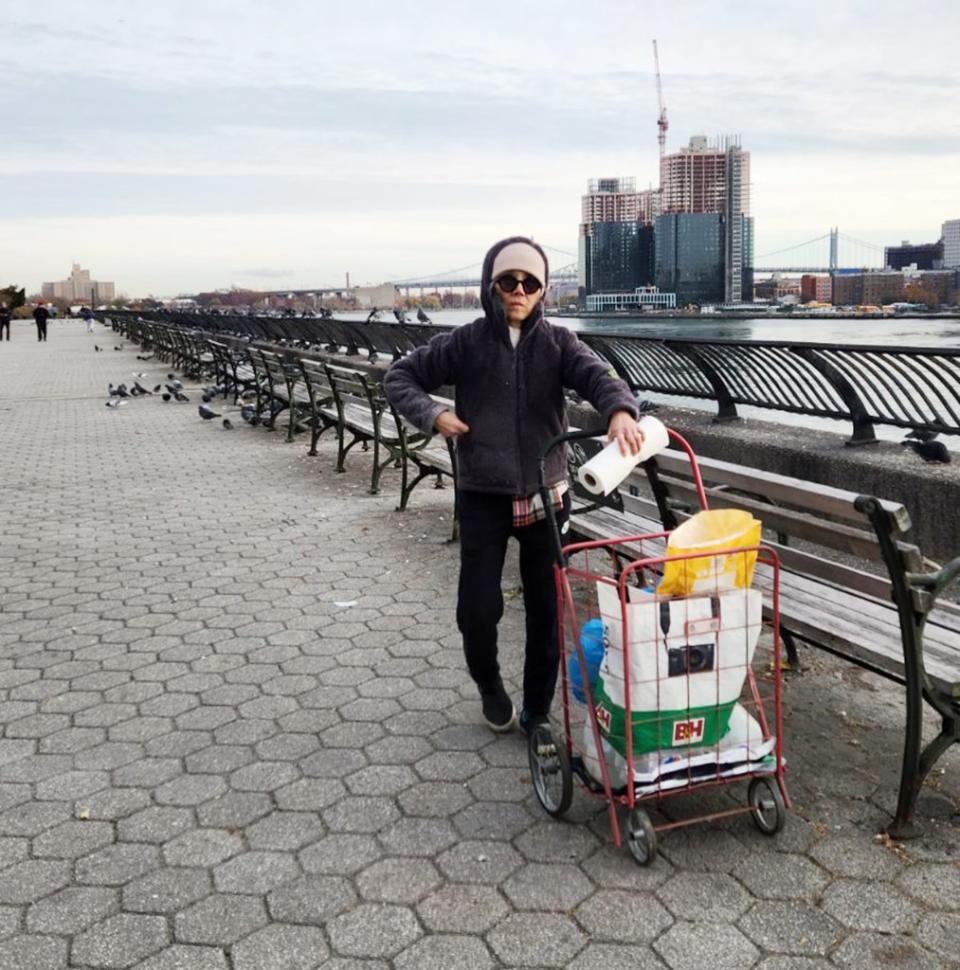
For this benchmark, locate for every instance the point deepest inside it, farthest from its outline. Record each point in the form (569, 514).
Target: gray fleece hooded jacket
(511, 399)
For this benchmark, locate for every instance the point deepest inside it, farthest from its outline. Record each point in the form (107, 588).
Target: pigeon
(182, 398)
(249, 395)
(173, 390)
(929, 451)
(156, 390)
(167, 397)
(96, 348)
(206, 398)
(921, 434)
(247, 412)
(255, 420)
(122, 391)
(140, 389)
(171, 377)
(145, 357)
(228, 424)
(115, 402)
(422, 317)
(134, 392)
(207, 413)
(116, 348)
(138, 376)
(111, 391)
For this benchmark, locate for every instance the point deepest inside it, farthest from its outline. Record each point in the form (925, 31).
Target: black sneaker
(498, 710)
(529, 720)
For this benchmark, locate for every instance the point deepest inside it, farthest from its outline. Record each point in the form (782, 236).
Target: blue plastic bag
(592, 642)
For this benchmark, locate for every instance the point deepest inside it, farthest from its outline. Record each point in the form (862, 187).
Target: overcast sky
(175, 146)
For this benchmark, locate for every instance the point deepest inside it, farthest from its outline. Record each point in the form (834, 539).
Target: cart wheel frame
(549, 762)
(641, 836)
(767, 808)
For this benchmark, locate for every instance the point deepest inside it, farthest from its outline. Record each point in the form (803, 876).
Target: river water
(898, 332)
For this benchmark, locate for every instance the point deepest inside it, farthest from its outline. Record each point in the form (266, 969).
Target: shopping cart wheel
(641, 837)
(551, 771)
(766, 805)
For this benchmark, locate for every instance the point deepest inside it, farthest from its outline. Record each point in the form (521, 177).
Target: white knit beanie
(521, 256)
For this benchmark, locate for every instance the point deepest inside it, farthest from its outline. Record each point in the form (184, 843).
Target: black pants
(4, 324)
(486, 523)
(41, 330)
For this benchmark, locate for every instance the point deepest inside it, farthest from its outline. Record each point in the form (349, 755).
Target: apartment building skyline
(78, 287)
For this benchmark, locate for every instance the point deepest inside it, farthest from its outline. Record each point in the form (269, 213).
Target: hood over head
(527, 256)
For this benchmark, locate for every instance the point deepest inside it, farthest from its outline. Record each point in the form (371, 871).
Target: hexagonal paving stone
(360, 813)
(546, 841)
(374, 930)
(234, 810)
(936, 886)
(479, 862)
(120, 941)
(398, 880)
(72, 839)
(616, 956)
(445, 953)
(536, 940)
(285, 830)
(202, 847)
(27, 881)
(704, 897)
(693, 946)
(255, 872)
(868, 951)
(941, 933)
(870, 906)
(418, 836)
(181, 957)
(220, 920)
(792, 877)
(856, 857)
(623, 917)
(462, 909)
(493, 820)
(36, 952)
(117, 864)
(311, 899)
(541, 887)
(71, 910)
(340, 854)
(156, 824)
(166, 890)
(791, 927)
(280, 947)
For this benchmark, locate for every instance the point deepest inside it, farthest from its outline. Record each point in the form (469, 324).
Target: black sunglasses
(508, 283)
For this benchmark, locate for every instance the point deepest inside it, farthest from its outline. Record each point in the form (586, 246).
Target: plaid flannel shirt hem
(528, 509)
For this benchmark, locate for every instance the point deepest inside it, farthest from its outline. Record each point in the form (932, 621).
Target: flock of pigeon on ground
(920, 440)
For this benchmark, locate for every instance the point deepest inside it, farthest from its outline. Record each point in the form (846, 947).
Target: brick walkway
(237, 734)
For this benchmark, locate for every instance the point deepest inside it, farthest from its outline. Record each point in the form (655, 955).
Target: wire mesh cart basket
(670, 678)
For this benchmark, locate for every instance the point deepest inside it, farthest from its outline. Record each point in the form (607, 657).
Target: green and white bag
(688, 658)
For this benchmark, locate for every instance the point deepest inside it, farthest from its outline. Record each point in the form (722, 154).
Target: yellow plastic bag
(711, 532)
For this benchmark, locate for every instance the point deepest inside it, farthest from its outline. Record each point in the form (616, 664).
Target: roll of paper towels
(605, 471)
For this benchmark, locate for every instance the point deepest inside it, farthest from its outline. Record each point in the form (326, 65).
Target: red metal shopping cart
(682, 696)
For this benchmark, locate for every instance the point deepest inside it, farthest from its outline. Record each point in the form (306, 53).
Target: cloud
(266, 273)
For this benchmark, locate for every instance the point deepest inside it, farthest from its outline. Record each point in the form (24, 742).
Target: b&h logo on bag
(688, 731)
(603, 718)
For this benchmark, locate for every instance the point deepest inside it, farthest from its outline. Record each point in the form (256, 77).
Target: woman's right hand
(449, 425)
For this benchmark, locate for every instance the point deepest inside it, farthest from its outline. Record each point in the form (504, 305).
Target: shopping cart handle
(561, 439)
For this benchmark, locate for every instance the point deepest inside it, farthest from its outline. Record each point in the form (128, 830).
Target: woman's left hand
(623, 429)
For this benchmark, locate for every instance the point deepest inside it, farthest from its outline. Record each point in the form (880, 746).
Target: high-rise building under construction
(705, 197)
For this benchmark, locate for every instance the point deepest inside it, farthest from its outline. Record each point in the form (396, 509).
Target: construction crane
(662, 123)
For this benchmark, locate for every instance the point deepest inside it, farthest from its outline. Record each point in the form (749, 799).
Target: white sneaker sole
(504, 728)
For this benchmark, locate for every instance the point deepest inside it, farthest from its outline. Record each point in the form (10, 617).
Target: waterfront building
(951, 244)
(619, 257)
(693, 260)
(79, 288)
(641, 297)
(609, 201)
(923, 256)
(778, 289)
(707, 179)
(815, 289)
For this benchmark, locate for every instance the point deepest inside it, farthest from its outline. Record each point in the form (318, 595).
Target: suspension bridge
(833, 252)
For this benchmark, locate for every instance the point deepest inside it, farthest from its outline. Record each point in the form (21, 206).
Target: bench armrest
(937, 581)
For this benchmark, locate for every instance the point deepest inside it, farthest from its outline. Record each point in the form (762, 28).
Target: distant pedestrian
(41, 314)
(87, 315)
(4, 320)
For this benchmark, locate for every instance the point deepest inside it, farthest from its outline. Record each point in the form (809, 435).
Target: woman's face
(517, 303)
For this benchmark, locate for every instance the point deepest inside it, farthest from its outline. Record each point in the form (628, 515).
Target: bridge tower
(834, 239)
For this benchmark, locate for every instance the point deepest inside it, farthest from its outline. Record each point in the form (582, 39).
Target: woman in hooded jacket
(509, 370)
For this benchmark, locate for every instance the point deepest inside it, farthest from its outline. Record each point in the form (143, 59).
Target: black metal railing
(866, 385)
